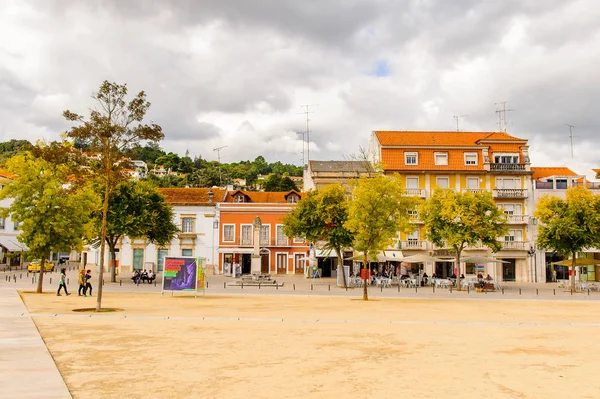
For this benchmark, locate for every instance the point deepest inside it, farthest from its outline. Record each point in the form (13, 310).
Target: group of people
(84, 282)
(141, 276)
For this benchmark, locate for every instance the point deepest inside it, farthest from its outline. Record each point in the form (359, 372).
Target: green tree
(321, 215)
(569, 225)
(53, 213)
(377, 212)
(112, 128)
(137, 209)
(458, 220)
(12, 147)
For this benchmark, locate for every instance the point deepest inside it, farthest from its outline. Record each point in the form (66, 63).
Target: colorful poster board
(183, 274)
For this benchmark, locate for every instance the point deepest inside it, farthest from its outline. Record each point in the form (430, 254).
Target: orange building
(238, 215)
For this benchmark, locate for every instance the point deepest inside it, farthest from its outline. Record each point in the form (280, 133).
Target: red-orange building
(237, 215)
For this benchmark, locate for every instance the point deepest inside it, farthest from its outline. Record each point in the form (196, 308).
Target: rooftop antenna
(456, 118)
(571, 137)
(303, 142)
(502, 115)
(307, 111)
(218, 150)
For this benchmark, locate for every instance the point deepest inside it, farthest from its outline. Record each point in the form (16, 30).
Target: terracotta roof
(7, 175)
(393, 159)
(596, 170)
(429, 138)
(263, 196)
(192, 196)
(539, 172)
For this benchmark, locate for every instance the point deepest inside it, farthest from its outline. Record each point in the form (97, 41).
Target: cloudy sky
(236, 73)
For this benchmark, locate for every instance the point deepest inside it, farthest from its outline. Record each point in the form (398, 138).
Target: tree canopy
(112, 128)
(569, 225)
(459, 220)
(53, 211)
(379, 209)
(321, 215)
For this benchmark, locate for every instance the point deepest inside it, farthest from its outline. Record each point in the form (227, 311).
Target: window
(511, 209)
(293, 199)
(246, 234)
(264, 235)
(411, 158)
(514, 235)
(506, 158)
(472, 183)
(2, 223)
(413, 214)
(186, 252)
(412, 182)
(238, 198)
(281, 238)
(441, 158)
(299, 240)
(16, 225)
(187, 225)
(508, 183)
(442, 182)
(470, 268)
(229, 232)
(470, 158)
(414, 236)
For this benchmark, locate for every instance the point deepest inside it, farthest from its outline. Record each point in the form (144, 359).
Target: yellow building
(465, 161)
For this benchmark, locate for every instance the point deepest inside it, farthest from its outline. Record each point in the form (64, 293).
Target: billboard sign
(183, 274)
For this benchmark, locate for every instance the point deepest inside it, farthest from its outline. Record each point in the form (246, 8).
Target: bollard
(433, 288)
(416, 287)
(102, 282)
(294, 286)
(555, 291)
(329, 287)
(537, 292)
(381, 287)
(242, 285)
(50, 280)
(311, 287)
(588, 292)
(519, 291)
(468, 290)
(346, 288)
(277, 286)
(67, 280)
(502, 291)
(21, 276)
(571, 292)
(451, 289)
(120, 282)
(398, 287)
(155, 282)
(224, 285)
(259, 285)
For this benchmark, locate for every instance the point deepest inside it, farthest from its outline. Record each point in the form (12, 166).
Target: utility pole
(571, 137)
(307, 111)
(218, 150)
(502, 115)
(456, 118)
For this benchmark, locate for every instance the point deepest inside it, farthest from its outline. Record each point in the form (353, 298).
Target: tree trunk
(573, 263)
(366, 268)
(113, 260)
(341, 266)
(458, 287)
(102, 247)
(41, 279)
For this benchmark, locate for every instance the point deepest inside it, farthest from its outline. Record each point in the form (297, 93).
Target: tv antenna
(502, 115)
(457, 118)
(303, 143)
(307, 112)
(571, 137)
(218, 150)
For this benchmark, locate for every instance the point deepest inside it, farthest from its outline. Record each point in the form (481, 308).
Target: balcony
(509, 193)
(477, 245)
(473, 190)
(508, 167)
(517, 219)
(419, 192)
(414, 218)
(591, 186)
(518, 245)
(264, 242)
(548, 185)
(412, 244)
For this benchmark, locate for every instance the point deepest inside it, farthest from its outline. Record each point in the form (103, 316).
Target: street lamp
(211, 195)
(531, 254)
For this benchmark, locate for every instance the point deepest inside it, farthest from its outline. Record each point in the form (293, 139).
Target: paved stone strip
(320, 321)
(27, 369)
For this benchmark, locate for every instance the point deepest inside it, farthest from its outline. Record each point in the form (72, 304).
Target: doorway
(509, 270)
(246, 263)
(138, 258)
(444, 269)
(162, 254)
(264, 263)
(282, 263)
(325, 265)
(299, 263)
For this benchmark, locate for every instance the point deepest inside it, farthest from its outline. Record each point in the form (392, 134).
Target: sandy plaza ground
(320, 347)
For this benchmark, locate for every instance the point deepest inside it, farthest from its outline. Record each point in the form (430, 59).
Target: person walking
(81, 281)
(62, 282)
(88, 285)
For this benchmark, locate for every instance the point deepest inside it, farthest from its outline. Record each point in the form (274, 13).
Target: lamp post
(531, 254)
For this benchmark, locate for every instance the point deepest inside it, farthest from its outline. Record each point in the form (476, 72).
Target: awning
(325, 253)
(12, 244)
(235, 250)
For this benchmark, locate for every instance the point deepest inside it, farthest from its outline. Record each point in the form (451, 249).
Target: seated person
(144, 275)
(453, 275)
(488, 277)
(462, 276)
(479, 275)
(433, 275)
(425, 279)
(404, 277)
(136, 276)
(151, 276)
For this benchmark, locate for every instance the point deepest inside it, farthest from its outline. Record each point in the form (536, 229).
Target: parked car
(34, 266)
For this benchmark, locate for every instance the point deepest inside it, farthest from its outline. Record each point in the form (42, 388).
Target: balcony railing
(592, 186)
(419, 192)
(548, 185)
(413, 244)
(269, 242)
(414, 218)
(509, 193)
(517, 219)
(473, 190)
(508, 167)
(520, 245)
